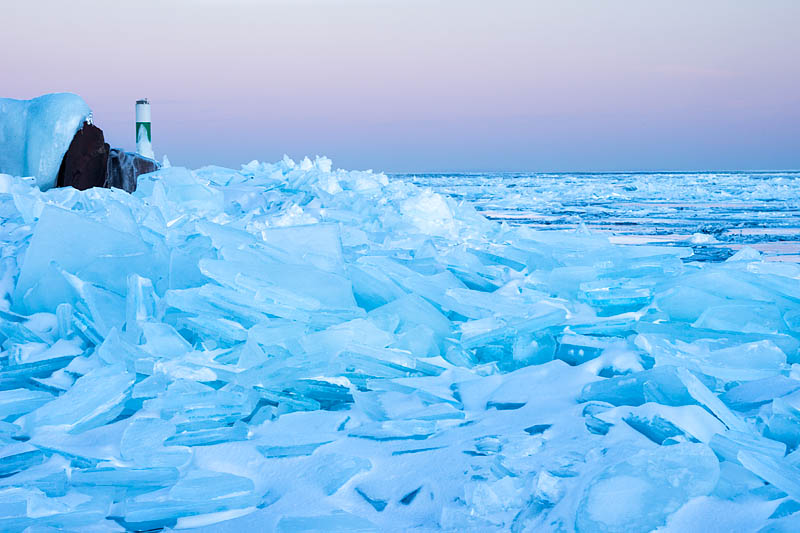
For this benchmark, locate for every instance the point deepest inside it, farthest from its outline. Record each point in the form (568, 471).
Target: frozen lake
(729, 209)
(287, 347)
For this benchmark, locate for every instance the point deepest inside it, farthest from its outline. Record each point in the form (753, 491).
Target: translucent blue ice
(288, 347)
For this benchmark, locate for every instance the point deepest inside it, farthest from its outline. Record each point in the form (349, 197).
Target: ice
(784, 423)
(289, 347)
(740, 362)
(664, 424)
(339, 521)
(729, 444)
(35, 134)
(94, 400)
(52, 252)
(775, 471)
(318, 245)
(705, 397)
(752, 394)
(17, 402)
(621, 498)
(137, 479)
(748, 318)
(177, 189)
(143, 443)
(662, 384)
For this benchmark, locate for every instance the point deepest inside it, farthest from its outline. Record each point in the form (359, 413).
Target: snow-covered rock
(35, 134)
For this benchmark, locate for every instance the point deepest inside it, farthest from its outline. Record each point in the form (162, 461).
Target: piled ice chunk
(287, 347)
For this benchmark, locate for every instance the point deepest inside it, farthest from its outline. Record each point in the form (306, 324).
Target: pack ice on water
(288, 347)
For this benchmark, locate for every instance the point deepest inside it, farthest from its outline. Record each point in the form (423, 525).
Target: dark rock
(84, 164)
(90, 162)
(125, 167)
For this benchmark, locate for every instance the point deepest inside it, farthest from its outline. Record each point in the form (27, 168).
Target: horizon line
(694, 171)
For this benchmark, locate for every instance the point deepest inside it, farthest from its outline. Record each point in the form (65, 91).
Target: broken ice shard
(291, 347)
(95, 399)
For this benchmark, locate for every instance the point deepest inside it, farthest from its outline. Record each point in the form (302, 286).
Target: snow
(289, 347)
(35, 134)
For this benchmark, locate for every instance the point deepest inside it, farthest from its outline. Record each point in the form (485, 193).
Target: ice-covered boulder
(35, 134)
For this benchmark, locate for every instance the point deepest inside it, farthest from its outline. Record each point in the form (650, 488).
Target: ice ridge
(289, 347)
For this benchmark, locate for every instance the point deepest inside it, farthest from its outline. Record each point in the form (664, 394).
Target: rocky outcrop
(125, 167)
(52, 139)
(90, 162)
(84, 165)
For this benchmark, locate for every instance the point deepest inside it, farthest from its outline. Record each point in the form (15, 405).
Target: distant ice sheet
(288, 347)
(715, 213)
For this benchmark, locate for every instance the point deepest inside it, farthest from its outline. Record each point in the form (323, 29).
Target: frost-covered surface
(290, 348)
(716, 213)
(35, 134)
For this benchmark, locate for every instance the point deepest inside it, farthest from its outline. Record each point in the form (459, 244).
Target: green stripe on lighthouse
(144, 132)
(146, 127)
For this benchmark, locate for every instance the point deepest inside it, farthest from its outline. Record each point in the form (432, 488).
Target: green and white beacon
(144, 146)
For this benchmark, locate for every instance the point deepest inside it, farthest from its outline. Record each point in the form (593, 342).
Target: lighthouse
(144, 138)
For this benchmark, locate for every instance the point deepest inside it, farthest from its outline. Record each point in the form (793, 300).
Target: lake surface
(716, 213)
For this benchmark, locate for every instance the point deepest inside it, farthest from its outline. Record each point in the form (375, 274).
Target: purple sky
(427, 85)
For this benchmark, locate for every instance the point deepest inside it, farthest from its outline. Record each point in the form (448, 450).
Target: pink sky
(428, 85)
